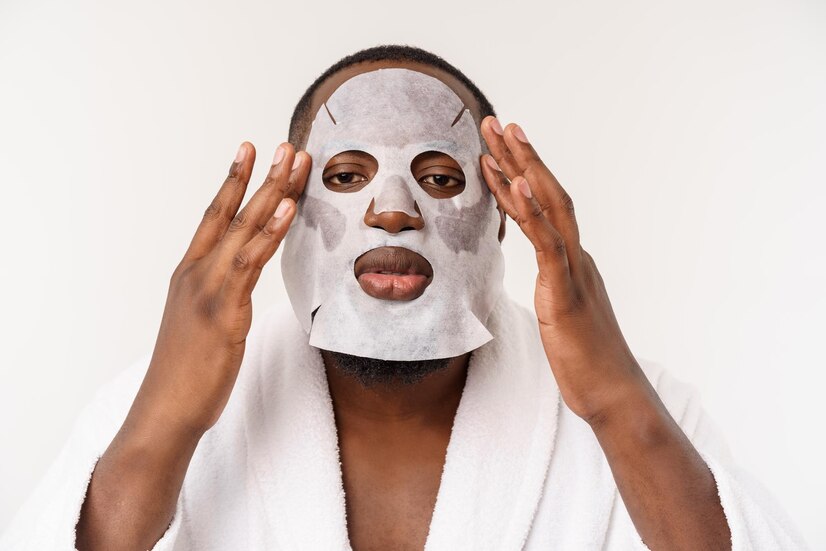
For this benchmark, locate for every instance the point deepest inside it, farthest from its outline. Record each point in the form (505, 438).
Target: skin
(393, 441)
(666, 486)
(195, 362)
(393, 437)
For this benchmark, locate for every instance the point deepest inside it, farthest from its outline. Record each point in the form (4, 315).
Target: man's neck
(432, 400)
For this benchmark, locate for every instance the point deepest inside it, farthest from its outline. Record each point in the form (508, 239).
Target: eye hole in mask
(439, 174)
(436, 172)
(349, 171)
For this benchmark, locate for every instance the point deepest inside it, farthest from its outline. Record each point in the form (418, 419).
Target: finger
(551, 251)
(254, 215)
(551, 196)
(248, 262)
(494, 137)
(299, 174)
(224, 205)
(498, 185)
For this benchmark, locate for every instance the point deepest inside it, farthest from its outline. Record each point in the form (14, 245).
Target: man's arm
(135, 485)
(667, 488)
(132, 495)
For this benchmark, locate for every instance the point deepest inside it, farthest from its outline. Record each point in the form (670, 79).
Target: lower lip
(393, 287)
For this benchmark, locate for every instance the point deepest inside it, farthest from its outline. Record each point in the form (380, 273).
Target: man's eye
(346, 178)
(441, 180)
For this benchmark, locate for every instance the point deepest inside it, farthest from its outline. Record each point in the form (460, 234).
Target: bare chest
(390, 491)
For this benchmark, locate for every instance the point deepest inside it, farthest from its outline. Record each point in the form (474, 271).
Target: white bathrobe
(521, 472)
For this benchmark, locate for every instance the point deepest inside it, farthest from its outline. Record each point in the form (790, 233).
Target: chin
(372, 371)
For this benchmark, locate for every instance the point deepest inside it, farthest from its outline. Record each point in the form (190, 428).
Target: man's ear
(502, 218)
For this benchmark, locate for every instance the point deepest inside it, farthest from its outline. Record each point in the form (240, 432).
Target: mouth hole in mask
(349, 171)
(439, 174)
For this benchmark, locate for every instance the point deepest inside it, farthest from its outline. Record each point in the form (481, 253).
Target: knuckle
(276, 181)
(241, 262)
(589, 260)
(279, 182)
(577, 302)
(553, 247)
(536, 211)
(177, 275)
(535, 167)
(213, 211)
(535, 170)
(233, 179)
(240, 221)
(558, 247)
(547, 210)
(567, 203)
(290, 187)
(269, 231)
(181, 272)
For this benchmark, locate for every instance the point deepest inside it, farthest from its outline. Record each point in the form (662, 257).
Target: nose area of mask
(394, 195)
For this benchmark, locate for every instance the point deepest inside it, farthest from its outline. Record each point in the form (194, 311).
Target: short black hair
(300, 121)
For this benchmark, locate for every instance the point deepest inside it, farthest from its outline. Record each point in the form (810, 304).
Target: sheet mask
(394, 114)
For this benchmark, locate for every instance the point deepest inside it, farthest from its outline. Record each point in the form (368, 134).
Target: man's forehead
(338, 79)
(393, 101)
(392, 107)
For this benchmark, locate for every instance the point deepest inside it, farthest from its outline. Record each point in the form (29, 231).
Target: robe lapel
(292, 443)
(501, 443)
(497, 457)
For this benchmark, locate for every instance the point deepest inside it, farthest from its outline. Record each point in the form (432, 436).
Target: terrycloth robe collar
(497, 457)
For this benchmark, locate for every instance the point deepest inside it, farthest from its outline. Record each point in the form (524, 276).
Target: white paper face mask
(394, 115)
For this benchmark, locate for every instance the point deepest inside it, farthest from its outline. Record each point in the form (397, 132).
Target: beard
(371, 371)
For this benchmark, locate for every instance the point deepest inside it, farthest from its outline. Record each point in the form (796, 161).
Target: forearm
(135, 485)
(668, 490)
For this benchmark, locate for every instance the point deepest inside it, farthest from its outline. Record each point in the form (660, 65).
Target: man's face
(394, 253)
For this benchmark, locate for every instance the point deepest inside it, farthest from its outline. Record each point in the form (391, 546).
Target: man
(411, 404)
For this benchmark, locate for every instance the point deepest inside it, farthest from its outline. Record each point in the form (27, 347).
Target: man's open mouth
(393, 273)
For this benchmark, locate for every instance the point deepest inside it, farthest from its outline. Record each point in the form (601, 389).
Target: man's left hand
(591, 361)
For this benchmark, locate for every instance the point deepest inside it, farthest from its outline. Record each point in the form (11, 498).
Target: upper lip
(393, 260)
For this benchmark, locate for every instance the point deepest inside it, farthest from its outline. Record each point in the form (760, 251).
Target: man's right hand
(136, 483)
(208, 309)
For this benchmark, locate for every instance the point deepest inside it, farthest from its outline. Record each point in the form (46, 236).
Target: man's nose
(393, 221)
(393, 209)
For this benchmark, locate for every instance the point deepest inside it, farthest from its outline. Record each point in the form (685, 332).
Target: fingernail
(524, 188)
(282, 209)
(491, 162)
(242, 152)
(279, 155)
(496, 126)
(520, 134)
(296, 162)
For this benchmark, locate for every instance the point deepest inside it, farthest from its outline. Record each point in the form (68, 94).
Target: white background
(692, 138)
